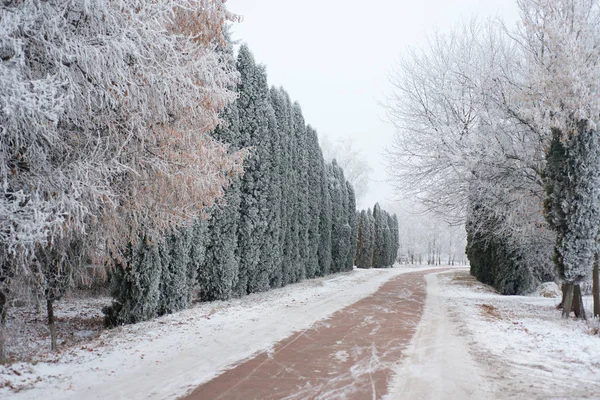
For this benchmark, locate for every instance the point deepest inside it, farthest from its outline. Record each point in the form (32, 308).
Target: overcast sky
(334, 58)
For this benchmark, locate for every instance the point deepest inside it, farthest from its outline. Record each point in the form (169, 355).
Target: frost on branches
(106, 107)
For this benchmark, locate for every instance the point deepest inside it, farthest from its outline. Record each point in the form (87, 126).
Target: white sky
(334, 58)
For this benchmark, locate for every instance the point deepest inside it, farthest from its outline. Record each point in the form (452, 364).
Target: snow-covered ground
(475, 344)
(169, 356)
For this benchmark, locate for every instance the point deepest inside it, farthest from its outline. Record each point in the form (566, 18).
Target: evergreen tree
(273, 253)
(174, 287)
(362, 240)
(302, 212)
(340, 229)
(379, 245)
(315, 201)
(370, 245)
(217, 273)
(391, 237)
(359, 235)
(325, 221)
(281, 104)
(135, 286)
(572, 206)
(351, 213)
(395, 238)
(253, 109)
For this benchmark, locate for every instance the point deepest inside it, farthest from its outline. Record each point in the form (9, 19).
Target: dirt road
(351, 355)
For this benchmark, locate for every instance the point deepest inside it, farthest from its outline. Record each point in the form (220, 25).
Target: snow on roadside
(520, 346)
(171, 355)
(437, 363)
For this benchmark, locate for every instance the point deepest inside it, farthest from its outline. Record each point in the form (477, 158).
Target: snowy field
(475, 344)
(169, 356)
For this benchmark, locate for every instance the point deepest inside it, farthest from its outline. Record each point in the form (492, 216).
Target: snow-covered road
(470, 343)
(167, 357)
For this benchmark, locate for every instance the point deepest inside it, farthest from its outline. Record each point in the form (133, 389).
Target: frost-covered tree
(218, 273)
(254, 113)
(135, 286)
(395, 237)
(364, 253)
(560, 41)
(325, 222)
(339, 220)
(462, 138)
(352, 160)
(54, 268)
(392, 246)
(352, 223)
(314, 167)
(98, 132)
(101, 138)
(272, 252)
(379, 242)
(300, 166)
(175, 289)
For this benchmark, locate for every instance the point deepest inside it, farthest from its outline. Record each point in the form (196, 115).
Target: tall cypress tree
(281, 104)
(301, 216)
(175, 258)
(253, 109)
(364, 253)
(135, 286)
(218, 273)
(325, 220)
(315, 201)
(351, 214)
(379, 255)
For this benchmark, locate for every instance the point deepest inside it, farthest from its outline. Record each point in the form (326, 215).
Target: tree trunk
(578, 303)
(50, 306)
(3, 311)
(568, 299)
(563, 289)
(595, 287)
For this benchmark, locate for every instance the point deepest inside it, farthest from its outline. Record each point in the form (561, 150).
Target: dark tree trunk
(578, 303)
(595, 287)
(3, 311)
(563, 289)
(568, 300)
(50, 306)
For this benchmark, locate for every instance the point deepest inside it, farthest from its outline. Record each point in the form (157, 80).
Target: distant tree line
(378, 240)
(290, 217)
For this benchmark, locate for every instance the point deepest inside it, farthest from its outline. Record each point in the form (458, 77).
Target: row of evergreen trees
(377, 242)
(292, 216)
